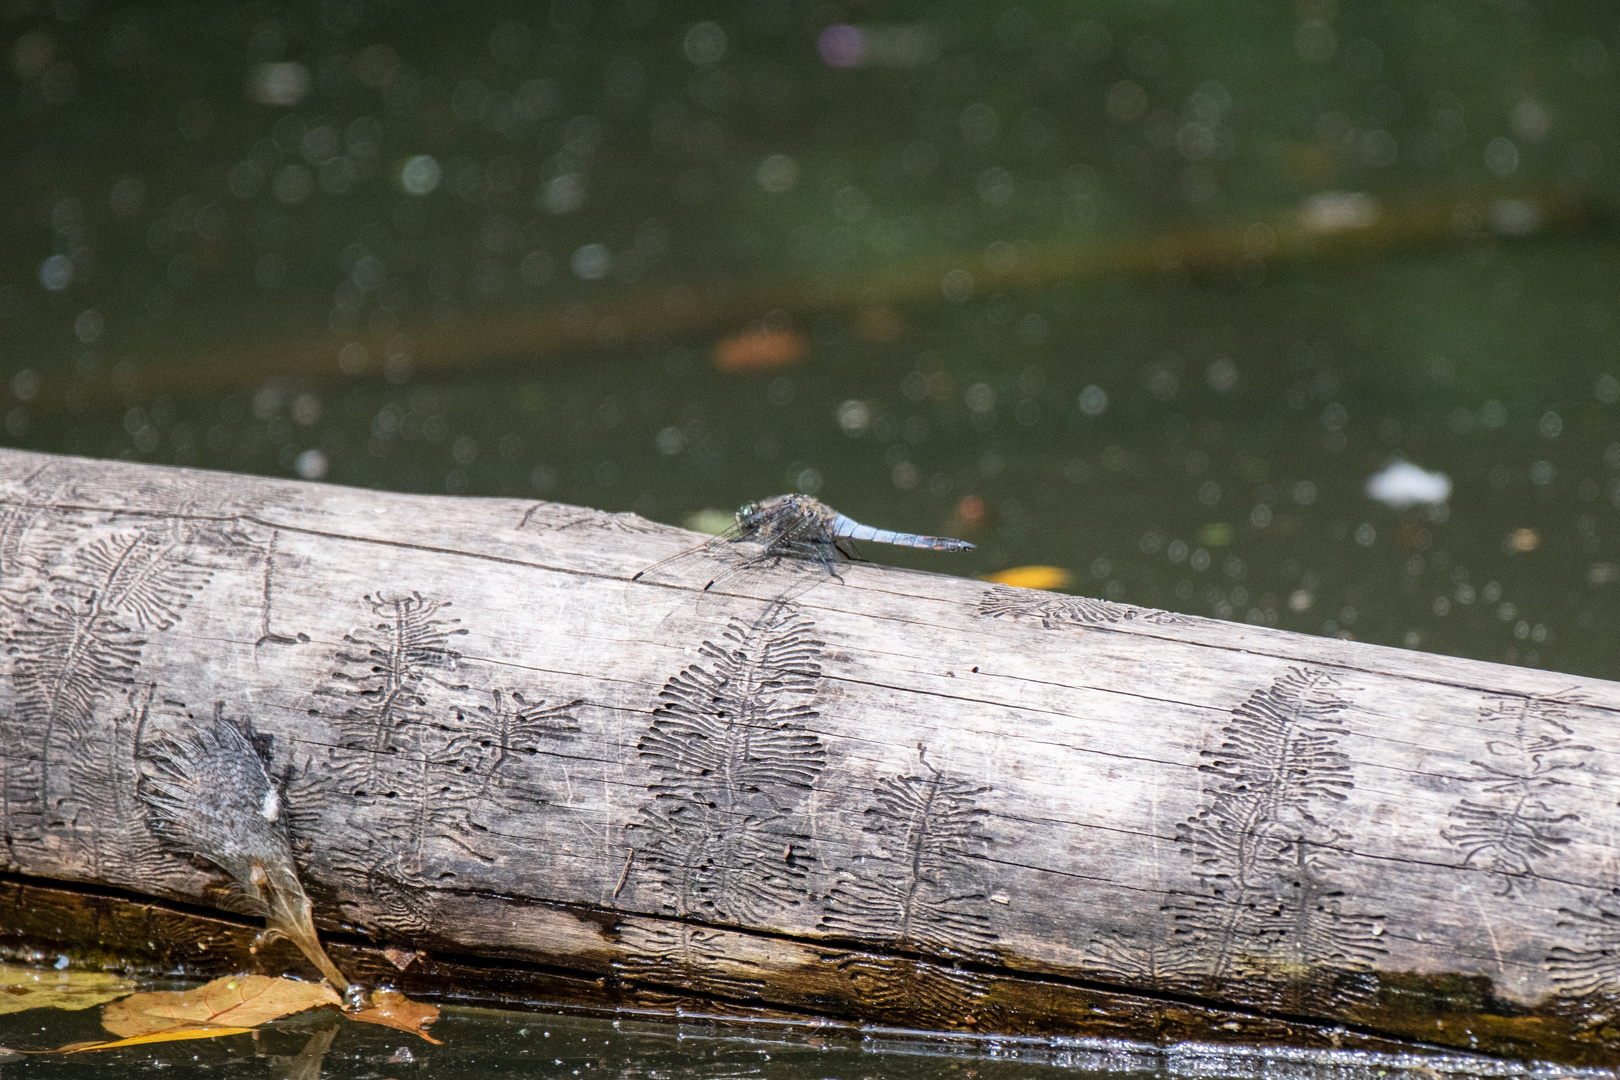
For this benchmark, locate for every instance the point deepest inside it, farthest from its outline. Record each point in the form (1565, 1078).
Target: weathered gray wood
(898, 796)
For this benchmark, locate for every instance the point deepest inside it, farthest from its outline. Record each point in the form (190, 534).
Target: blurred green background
(1144, 290)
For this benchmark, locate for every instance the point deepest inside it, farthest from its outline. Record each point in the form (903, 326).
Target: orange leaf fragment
(240, 1002)
(760, 348)
(1033, 577)
(392, 1009)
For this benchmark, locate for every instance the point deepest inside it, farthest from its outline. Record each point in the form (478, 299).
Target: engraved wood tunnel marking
(918, 887)
(1508, 824)
(429, 760)
(267, 636)
(18, 515)
(1591, 968)
(689, 957)
(1268, 909)
(106, 778)
(1054, 610)
(383, 673)
(83, 632)
(918, 884)
(558, 517)
(721, 834)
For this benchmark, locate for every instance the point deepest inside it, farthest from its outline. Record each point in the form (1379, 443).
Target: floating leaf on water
(238, 1001)
(229, 1006)
(759, 348)
(393, 1009)
(1033, 577)
(47, 988)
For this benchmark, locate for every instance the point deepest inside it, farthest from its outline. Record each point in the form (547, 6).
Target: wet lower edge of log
(144, 937)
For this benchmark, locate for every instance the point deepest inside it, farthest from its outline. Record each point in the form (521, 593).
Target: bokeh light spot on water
(778, 174)
(704, 43)
(957, 285)
(311, 465)
(709, 521)
(592, 262)
(1502, 156)
(56, 273)
(293, 184)
(420, 175)
(282, 84)
(841, 45)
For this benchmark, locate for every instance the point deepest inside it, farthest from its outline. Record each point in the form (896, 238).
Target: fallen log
(888, 798)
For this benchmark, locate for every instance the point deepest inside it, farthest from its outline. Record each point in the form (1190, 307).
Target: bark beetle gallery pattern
(1508, 823)
(77, 641)
(426, 760)
(1055, 610)
(917, 886)
(1268, 907)
(722, 835)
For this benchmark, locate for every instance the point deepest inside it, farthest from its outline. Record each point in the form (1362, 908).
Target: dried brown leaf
(46, 988)
(240, 1001)
(392, 1009)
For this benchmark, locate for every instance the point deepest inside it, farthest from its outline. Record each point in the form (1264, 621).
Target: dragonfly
(790, 530)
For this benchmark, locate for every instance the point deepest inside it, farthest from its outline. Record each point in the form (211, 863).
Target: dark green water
(345, 208)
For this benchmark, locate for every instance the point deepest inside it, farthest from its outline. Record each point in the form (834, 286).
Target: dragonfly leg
(829, 555)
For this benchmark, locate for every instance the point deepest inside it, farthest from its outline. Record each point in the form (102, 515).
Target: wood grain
(891, 797)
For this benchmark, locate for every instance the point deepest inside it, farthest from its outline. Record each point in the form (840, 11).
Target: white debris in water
(1403, 484)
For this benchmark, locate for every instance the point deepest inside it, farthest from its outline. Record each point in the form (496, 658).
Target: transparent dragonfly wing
(794, 561)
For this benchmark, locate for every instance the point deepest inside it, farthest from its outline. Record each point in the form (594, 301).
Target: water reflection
(485, 1042)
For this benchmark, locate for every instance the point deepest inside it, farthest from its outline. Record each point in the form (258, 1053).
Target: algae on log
(888, 798)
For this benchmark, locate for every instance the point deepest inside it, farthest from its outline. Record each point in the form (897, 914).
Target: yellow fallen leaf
(1033, 577)
(392, 1009)
(238, 1001)
(46, 988)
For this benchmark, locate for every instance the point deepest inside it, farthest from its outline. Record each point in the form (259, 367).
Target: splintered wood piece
(883, 799)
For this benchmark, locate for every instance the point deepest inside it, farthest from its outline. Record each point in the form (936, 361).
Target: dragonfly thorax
(800, 515)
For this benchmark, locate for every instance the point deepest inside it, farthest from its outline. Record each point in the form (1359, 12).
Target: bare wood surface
(895, 798)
